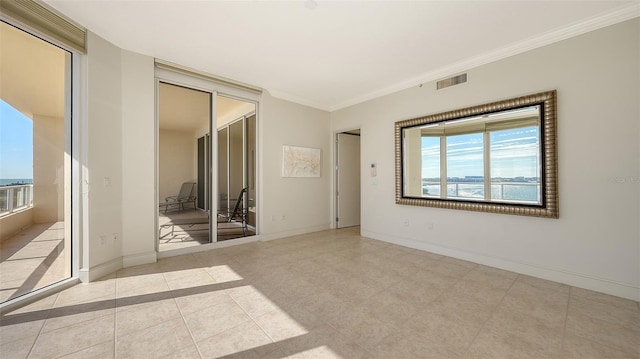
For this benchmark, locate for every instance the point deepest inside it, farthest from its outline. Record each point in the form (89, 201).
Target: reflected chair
(236, 215)
(185, 196)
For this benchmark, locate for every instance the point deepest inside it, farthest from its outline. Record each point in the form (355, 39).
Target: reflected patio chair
(236, 215)
(185, 196)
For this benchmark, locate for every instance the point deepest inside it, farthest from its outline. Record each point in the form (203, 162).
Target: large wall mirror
(498, 157)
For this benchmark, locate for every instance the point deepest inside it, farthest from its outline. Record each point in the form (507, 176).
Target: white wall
(596, 241)
(104, 156)
(48, 169)
(292, 205)
(18, 221)
(120, 162)
(177, 158)
(121, 166)
(138, 159)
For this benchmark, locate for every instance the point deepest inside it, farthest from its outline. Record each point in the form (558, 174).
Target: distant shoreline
(15, 181)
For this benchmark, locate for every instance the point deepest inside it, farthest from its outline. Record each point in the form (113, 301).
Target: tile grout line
(447, 289)
(184, 320)
(42, 327)
(566, 319)
(367, 349)
(256, 323)
(591, 340)
(236, 326)
(492, 312)
(115, 316)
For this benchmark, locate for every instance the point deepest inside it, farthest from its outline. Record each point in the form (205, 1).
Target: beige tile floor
(32, 259)
(331, 294)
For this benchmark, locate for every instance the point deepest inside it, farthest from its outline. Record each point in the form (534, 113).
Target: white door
(348, 180)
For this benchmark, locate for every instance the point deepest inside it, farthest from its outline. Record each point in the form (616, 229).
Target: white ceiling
(187, 110)
(182, 109)
(333, 54)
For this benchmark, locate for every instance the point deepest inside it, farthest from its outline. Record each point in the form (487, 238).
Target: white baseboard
(294, 232)
(553, 274)
(139, 258)
(101, 270)
(208, 246)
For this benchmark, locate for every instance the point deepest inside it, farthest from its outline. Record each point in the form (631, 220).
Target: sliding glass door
(35, 163)
(223, 169)
(209, 140)
(237, 161)
(204, 172)
(184, 118)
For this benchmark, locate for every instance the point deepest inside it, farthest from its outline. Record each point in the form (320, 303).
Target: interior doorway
(347, 179)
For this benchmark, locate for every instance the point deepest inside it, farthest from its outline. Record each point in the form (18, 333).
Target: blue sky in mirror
(16, 144)
(514, 153)
(430, 157)
(464, 155)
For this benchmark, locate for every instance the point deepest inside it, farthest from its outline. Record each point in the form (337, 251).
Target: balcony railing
(15, 198)
(523, 192)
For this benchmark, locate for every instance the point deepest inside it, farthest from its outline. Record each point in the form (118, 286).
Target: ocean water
(8, 181)
(513, 192)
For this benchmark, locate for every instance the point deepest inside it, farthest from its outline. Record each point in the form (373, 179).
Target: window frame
(486, 164)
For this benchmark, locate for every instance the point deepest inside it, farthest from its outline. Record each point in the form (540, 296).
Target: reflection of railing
(14, 198)
(464, 189)
(507, 191)
(516, 191)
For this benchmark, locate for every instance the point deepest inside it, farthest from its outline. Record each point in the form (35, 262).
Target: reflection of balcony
(32, 242)
(522, 192)
(189, 234)
(31, 259)
(15, 198)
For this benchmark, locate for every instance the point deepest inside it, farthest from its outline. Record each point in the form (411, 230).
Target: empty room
(388, 179)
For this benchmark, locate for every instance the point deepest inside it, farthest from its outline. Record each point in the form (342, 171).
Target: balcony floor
(32, 259)
(189, 236)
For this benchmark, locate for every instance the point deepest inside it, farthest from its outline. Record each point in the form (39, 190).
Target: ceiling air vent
(460, 79)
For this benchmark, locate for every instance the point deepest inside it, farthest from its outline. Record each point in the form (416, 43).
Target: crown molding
(618, 15)
(299, 100)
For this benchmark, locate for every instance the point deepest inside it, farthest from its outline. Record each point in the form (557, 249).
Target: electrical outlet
(103, 239)
(115, 237)
(405, 223)
(430, 226)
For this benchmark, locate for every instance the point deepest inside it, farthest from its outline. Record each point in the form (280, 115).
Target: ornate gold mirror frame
(547, 204)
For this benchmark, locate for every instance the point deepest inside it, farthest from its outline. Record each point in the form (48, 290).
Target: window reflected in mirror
(503, 148)
(498, 157)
